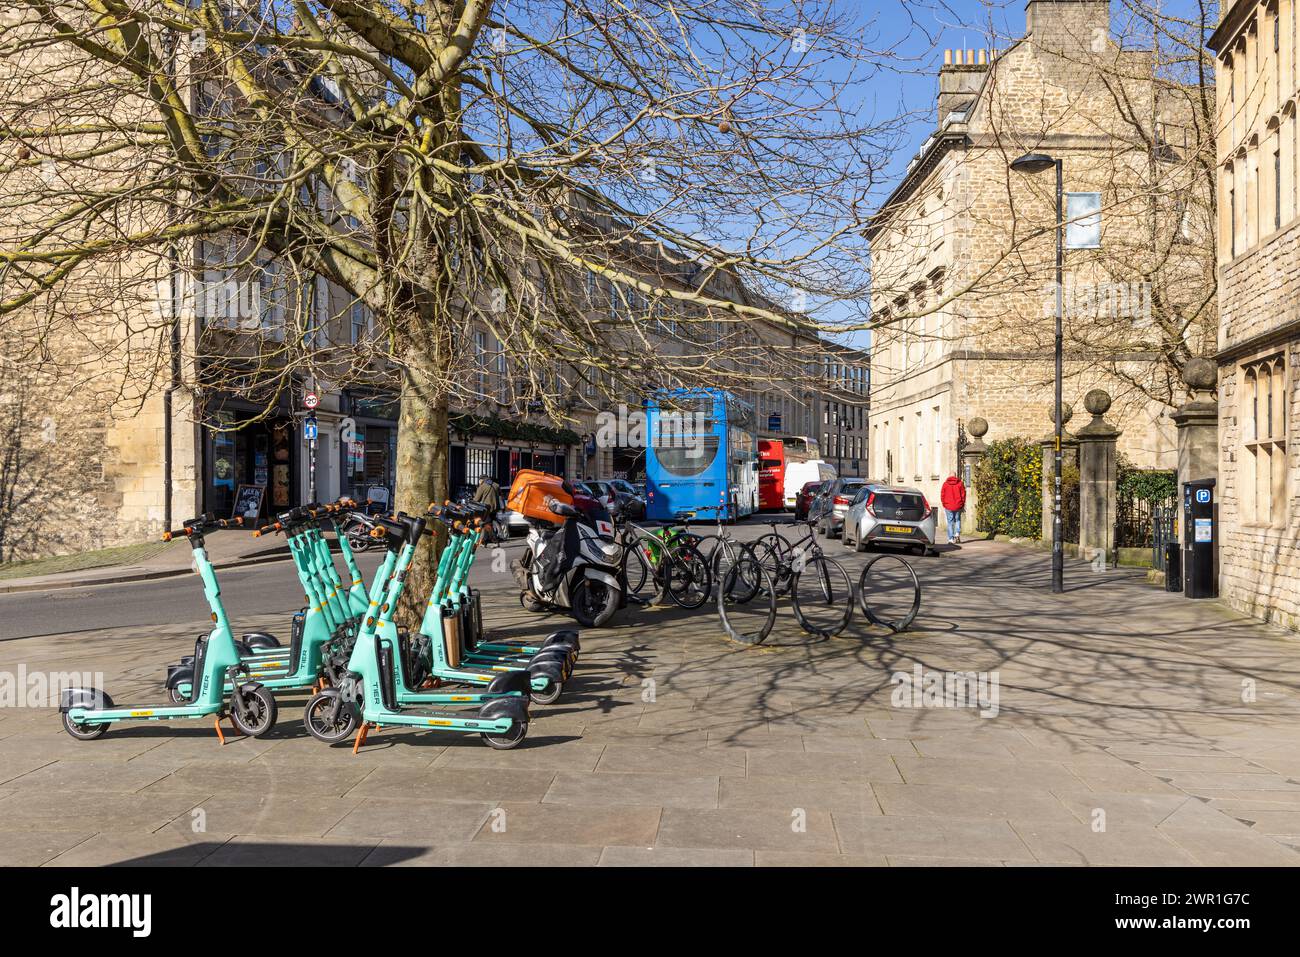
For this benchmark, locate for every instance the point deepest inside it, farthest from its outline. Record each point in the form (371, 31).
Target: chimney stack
(1067, 27)
(960, 77)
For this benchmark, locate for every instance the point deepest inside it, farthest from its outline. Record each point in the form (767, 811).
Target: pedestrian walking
(489, 493)
(953, 499)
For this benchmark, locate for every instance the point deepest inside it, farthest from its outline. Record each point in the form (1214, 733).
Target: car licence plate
(898, 530)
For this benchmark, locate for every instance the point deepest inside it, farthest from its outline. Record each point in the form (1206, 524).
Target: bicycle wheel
(822, 597)
(638, 572)
(747, 613)
(686, 576)
(895, 593)
(776, 557)
(741, 586)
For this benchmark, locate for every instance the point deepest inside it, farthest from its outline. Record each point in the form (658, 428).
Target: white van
(798, 473)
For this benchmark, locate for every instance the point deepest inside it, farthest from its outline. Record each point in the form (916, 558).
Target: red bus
(773, 456)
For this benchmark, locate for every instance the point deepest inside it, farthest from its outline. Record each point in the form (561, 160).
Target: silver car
(892, 514)
(830, 507)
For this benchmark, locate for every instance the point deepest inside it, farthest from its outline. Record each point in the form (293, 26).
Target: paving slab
(569, 824)
(930, 836)
(481, 854)
(675, 857)
(643, 789)
(793, 829)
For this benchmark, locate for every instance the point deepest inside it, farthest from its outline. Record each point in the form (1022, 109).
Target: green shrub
(1148, 485)
(1009, 488)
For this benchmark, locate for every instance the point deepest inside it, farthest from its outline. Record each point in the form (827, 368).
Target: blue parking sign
(1202, 495)
(310, 430)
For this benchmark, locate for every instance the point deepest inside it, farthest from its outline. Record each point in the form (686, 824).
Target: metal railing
(1164, 528)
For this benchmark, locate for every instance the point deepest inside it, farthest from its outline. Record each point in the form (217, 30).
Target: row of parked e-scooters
(361, 669)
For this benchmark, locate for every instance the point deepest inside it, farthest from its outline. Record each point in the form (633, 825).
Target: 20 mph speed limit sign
(311, 400)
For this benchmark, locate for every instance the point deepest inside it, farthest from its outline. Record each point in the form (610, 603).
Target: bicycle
(668, 560)
(815, 582)
(746, 596)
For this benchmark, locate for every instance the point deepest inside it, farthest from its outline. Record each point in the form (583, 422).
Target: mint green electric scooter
(439, 649)
(466, 601)
(88, 712)
(332, 604)
(367, 697)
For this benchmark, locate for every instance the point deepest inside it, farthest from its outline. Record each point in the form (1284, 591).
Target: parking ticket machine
(1200, 540)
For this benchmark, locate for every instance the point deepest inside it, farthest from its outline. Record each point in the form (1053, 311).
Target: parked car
(832, 504)
(615, 498)
(516, 522)
(815, 502)
(631, 500)
(888, 513)
(803, 500)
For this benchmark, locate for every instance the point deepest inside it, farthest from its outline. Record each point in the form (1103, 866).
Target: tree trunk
(422, 444)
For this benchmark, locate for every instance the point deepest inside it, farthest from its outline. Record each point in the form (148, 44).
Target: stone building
(845, 414)
(963, 281)
(1259, 330)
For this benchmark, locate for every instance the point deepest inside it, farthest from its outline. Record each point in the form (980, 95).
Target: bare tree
(563, 173)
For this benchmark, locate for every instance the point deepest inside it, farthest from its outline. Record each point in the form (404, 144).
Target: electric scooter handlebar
(204, 523)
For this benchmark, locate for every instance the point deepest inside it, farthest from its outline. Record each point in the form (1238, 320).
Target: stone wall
(1259, 567)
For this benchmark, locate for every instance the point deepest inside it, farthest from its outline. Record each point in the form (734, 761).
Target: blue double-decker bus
(701, 451)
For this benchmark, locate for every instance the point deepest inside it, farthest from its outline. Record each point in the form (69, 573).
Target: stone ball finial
(977, 427)
(1067, 412)
(1201, 375)
(1097, 401)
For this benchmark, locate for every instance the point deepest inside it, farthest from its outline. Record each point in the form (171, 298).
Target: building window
(920, 445)
(1232, 222)
(359, 320)
(272, 292)
(479, 464)
(1264, 446)
(938, 445)
(480, 363)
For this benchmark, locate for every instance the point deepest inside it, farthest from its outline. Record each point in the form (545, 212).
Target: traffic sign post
(311, 431)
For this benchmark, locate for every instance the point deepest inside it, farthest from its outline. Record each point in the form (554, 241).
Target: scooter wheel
(176, 696)
(550, 695)
(261, 715)
(84, 732)
(511, 739)
(531, 602)
(316, 718)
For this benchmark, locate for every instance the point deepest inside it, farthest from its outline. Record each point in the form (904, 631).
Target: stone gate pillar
(1198, 423)
(976, 428)
(1098, 479)
(1069, 456)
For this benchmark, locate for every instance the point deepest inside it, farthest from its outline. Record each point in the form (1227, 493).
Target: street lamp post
(1037, 163)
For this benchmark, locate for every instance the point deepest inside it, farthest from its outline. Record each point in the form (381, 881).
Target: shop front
(368, 446)
(500, 448)
(250, 459)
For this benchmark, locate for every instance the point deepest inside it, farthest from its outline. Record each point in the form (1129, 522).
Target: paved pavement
(1131, 727)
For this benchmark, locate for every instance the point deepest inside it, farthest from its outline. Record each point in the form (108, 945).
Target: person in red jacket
(953, 498)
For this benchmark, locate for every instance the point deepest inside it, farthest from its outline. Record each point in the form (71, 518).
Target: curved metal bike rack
(897, 624)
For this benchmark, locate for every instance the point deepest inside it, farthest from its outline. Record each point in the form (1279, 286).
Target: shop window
(479, 463)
